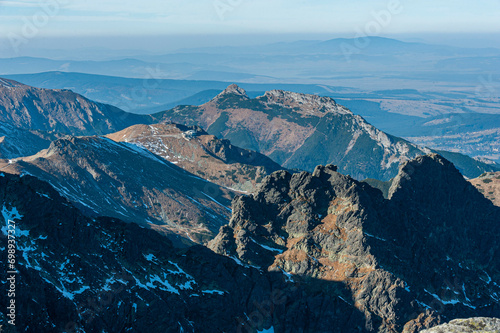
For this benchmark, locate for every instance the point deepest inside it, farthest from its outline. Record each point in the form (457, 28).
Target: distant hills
(297, 131)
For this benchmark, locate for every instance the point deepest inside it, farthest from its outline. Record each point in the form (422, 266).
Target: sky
(123, 23)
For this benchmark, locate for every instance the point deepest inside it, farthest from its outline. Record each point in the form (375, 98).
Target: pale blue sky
(93, 18)
(111, 17)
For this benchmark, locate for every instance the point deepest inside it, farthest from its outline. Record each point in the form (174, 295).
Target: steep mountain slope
(430, 250)
(128, 182)
(194, 150)
(489, 185)
(79, 274)
(59, 110)
(301, 131)
(16, 142)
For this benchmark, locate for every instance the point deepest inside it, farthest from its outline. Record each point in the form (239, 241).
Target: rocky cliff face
(430, 251)
(302, 131)
(194, 150)
(125, 181)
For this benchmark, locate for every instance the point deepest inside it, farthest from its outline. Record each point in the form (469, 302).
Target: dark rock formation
(430, 251)
(79, 274)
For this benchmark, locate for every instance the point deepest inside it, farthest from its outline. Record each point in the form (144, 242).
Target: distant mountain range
(149, 94)
(343, 59)
(455, 119)
(297, 131)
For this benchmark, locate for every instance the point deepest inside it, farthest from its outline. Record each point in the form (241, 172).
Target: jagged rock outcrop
(430, 251)
(232, 91)
(194, 150)
(80, 274)
(470, 325)
(316, 252)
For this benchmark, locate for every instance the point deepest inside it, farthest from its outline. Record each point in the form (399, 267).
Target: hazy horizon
(29, 28)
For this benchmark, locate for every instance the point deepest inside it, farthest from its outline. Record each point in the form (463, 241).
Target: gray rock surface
(470, 325)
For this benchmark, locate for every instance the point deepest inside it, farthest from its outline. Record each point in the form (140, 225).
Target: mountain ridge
(300, 131)
(122, 180)
(59, 110)
(316, 252)
(202, 154)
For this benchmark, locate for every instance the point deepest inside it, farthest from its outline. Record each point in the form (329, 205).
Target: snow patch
(216, 201)
(452, 302)
(373, 236)
(354, 139)
(12, 215)
(272, 249)
(218, 292)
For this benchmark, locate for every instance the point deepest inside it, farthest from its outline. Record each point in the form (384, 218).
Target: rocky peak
(431, 174)
(307, 103)
(415, 173)
(232, 90)
(327, 226)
